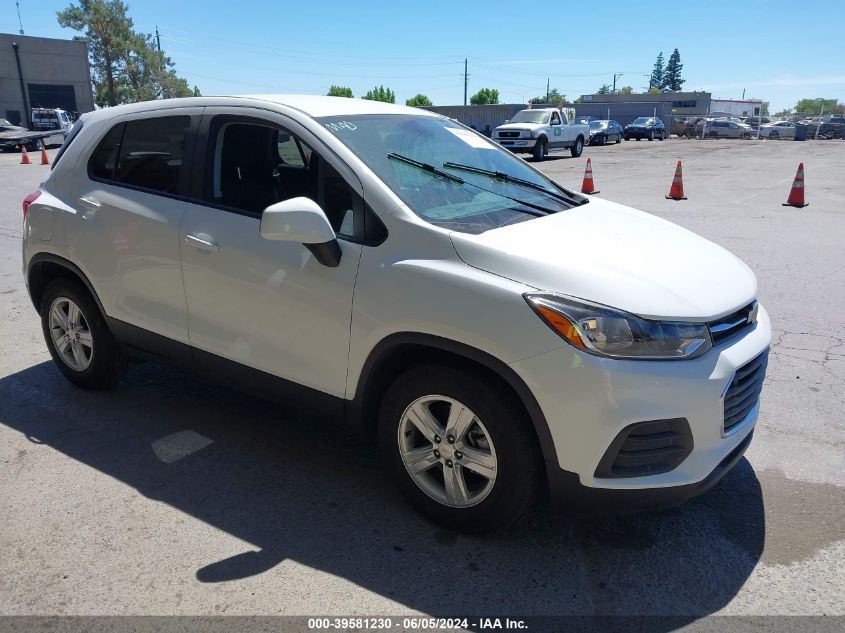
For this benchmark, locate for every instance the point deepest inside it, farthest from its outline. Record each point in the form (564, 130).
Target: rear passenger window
(151, 153)
(146, 153)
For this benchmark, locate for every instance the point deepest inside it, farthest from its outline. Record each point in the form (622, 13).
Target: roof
(311, 105)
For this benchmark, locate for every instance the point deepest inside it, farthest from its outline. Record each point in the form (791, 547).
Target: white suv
(500, 335)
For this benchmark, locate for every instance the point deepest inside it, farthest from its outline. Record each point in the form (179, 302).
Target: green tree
(554, 98)
(339, 91)
(654, 90)
(108, 31)
(813, 107)
(196, 91)
(656, 80)
(419, 100)
(380, 93)
(783, 113)
(672, 77)
(764, 108)
(126, 66)
(626, 90)
(604, 90)
(485, 96)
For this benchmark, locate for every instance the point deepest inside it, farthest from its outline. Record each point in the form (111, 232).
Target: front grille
(508, 134)
(734, 323)
(743, 392)
(647, 448)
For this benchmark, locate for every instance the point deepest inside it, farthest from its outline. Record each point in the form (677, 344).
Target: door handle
(90, 201)
(204, 243)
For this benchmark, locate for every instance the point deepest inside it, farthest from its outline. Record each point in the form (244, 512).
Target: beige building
(43, 72)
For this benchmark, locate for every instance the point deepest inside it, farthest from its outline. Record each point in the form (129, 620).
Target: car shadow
(301, 489)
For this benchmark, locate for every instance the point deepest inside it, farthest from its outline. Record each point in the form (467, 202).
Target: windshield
(643, 120)
(435, 141)
(598, 125)
(531, 116)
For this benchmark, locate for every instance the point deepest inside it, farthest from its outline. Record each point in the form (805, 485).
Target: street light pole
(615, 75)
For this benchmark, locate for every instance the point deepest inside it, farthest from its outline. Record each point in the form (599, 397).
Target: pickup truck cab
(541, 129)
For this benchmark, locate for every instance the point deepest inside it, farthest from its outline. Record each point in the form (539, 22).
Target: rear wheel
(460, 450)
(576, 149)
(80, 342)
(618, 138)
(540, 149)
(774, 134)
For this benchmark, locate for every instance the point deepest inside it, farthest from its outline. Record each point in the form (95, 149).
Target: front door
(266, 304)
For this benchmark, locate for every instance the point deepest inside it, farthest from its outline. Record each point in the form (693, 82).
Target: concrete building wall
(53, 70)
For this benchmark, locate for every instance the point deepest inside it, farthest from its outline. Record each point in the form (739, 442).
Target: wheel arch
(401, 350)
(45, 267)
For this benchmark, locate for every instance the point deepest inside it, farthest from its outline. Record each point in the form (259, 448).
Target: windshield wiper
(500, 175)
(460, 181)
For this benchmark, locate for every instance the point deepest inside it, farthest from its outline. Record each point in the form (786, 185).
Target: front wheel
(540, 149)
(773, 135)
(651, 135)
(459, 448)
(576, 149)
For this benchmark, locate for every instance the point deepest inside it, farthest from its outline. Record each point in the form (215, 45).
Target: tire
(602, 140)
(97, 364)
(651, 135)
(773, 135)
(540, 149)
(482, 504)
(576, 149)
(663, 136)
(618, 139)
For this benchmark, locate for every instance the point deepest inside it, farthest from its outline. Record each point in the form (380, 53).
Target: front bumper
(588, 400)
(517, 144)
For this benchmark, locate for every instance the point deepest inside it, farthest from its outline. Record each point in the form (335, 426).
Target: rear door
(129, 206)
(269, 305)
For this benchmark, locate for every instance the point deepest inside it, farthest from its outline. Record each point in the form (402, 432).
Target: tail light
(29, 200)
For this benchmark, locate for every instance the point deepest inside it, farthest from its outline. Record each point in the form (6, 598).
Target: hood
(520, 126)
(617, 256)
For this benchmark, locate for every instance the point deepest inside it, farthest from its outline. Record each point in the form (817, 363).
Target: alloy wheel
(447, 451)
(70, 333)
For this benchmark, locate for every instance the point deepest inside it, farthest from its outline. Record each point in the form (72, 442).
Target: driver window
(555, 118)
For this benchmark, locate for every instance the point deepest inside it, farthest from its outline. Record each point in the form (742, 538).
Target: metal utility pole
(158, 39)
(20, 24)
(466, 81)
(547, 90)
(615, 75)
(27, 118)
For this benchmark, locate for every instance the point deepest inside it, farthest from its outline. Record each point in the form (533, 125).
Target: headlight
(529, 134)
(604, 331)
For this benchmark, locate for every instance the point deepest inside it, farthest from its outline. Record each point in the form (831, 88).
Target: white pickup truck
(540, 129)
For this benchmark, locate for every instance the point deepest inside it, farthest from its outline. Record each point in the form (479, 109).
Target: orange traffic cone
(44, 159)
(588, 186)
(676, 191)
(24, 156)
(796, 194)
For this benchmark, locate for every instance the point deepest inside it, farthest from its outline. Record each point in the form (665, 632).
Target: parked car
(755, 121)
(7, 132)
(778, 129)
(723, 128)
(538, 130)
(679, 126)
(605, 131)
(391, 268)
(645, 127)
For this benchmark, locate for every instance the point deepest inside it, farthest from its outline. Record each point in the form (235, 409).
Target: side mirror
(302, 220)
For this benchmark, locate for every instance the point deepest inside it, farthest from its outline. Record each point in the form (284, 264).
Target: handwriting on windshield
(341, 125)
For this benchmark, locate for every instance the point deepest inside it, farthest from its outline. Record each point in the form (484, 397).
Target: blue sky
(246, 46)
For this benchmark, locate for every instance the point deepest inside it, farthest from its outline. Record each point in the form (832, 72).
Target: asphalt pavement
(170, 495)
